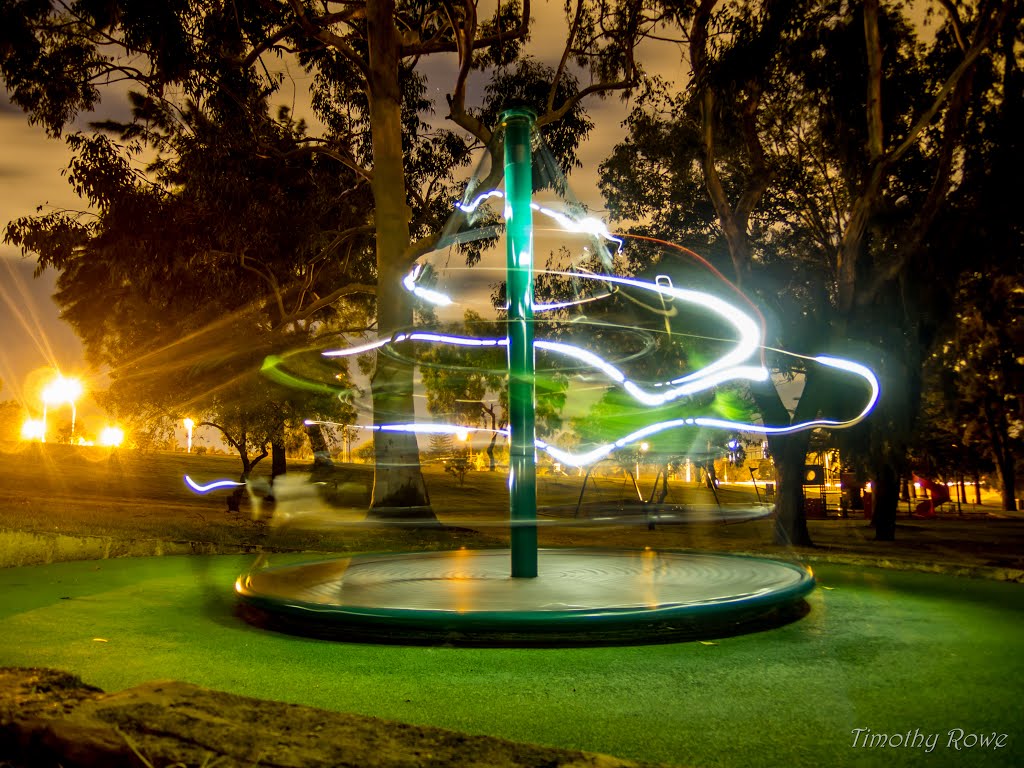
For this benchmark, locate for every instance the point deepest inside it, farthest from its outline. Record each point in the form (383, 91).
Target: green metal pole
(518, 124)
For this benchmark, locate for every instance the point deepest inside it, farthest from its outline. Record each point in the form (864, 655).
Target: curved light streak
(210, 486)
(588, 225)
(688, 385)
(602, 451)
(748, 328)
(432, 429)
(832, 362)
(730, 366)
(363, 347)
(478, 200)
(565, 304)
(727, 366)
(411, 283)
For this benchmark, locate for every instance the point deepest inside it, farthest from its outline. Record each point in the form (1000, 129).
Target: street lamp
(462, 435)
(188, 432)
(112, 437)
(33, 429)
(61, 390)
(644, 447)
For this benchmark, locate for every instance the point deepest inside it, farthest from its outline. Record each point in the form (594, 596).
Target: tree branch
(983, 36)
(332, 297)
(873, 43)
(863, 207)
(562, 111)
(457, 98)
(437, 46)
(573, 29)
(314, 27)
(345, 159)
(267, 277)
(760, 175)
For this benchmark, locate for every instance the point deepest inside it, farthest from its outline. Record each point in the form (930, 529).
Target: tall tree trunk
(790, 454)
(491, 463)
(398, 487)
(234, 499)
(663, 493)
(323, 465)
(997, 428)
(1007, 469)
(886, 500)
(278, 457)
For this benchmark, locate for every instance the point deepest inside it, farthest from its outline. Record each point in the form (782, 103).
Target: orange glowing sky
(30, 176)
(33, 334)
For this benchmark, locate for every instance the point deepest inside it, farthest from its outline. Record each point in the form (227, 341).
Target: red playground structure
(937, 493)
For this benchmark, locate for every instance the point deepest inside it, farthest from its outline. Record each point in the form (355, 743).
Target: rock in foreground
(50, 718)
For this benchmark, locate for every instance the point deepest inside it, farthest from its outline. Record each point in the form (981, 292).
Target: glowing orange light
(32, 429)
(62, 390)
(189, 424)
(112, 436)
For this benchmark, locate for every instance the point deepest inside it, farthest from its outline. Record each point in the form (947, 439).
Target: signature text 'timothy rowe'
(955, 738)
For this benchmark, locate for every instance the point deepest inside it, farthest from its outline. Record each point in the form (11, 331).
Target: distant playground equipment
(815, 508)
(654, 508)
(935, 494)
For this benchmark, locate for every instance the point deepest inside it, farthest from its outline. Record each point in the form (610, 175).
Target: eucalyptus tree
(717, 174)
(977, 366)
(979, 370)
(182, 279)
(366, 61)
(900, 146)
(377, 44)
(810, 185)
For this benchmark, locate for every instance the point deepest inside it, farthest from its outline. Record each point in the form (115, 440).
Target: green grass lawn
(886, 651)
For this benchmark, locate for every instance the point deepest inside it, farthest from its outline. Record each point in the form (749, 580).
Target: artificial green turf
(888, 651)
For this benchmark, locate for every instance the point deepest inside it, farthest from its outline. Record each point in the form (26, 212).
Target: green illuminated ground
(883, 650)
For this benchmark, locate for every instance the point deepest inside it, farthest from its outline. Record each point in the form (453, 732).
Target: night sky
(30, 176)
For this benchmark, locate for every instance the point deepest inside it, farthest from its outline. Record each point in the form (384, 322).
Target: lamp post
(644, 447)
(188, 434)
(462, 435)
(62, 390)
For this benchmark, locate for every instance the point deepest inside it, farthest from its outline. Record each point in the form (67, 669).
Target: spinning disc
(579, 597)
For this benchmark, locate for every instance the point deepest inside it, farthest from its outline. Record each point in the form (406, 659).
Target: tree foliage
(812, 154)
(365, 61)
(186, 276)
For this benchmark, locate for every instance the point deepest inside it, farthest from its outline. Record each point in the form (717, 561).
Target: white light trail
(210, 486)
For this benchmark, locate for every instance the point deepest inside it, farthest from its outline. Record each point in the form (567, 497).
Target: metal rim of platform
(286, 598)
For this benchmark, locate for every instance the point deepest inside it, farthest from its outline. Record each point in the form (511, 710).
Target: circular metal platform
(581, 597)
